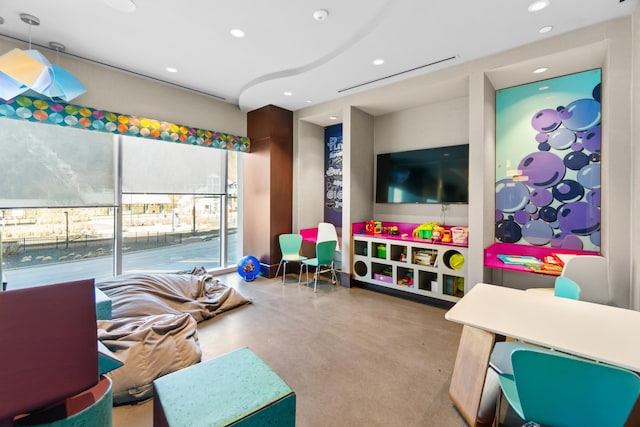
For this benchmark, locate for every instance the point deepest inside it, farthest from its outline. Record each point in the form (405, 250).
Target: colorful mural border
(78, 117)
(548, 161)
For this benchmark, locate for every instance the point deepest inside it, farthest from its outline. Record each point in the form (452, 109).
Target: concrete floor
(354, 357)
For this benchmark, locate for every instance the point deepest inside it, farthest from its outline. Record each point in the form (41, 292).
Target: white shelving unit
(434, 270)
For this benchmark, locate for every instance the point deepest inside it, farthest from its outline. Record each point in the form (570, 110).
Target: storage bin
(382, 251)
(383, 278)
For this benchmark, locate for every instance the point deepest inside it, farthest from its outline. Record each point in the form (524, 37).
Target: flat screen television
(431, 175)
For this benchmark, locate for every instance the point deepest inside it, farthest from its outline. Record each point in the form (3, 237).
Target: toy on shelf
(459, 235)
(368, 227)
(391, 230)
(425, 230)
(407, 279)
(437, 233)
(373, 227)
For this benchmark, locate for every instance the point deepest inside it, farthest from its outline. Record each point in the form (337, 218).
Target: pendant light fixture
(29, 72)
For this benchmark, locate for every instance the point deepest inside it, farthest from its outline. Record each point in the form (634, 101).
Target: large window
(77, 204)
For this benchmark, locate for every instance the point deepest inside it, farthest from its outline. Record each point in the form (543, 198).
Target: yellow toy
(425, 230)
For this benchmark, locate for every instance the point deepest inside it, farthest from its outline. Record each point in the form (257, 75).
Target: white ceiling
(285, 49)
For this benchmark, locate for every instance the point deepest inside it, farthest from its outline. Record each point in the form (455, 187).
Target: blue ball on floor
(249, 268)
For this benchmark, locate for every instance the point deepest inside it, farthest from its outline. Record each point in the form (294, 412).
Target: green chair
(325, 252)
(552, 388)
(566, 288)
(290, 245)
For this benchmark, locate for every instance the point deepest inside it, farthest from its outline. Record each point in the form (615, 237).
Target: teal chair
(290, 245)
(566, 288)
(325, 252)
(554, 389)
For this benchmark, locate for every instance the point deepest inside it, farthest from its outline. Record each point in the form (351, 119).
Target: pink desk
(491, 253)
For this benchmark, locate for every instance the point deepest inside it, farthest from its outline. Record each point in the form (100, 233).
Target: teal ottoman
(236, 388)
(103, 306)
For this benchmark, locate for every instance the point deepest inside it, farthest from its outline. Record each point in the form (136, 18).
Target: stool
(236, 388)
(92, 407)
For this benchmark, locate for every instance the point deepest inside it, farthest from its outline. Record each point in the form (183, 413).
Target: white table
(593, 331)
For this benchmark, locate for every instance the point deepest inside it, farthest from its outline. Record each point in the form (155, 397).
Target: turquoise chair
(554, 389)
(566, 288)
(325, 252)
(290, 245)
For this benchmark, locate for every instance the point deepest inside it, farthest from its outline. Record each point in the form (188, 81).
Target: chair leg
(334, 278)
(284, 271)
(300, 273)
(315, 279)
(279, 265)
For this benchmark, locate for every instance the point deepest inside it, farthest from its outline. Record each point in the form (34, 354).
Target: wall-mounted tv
(431, 175)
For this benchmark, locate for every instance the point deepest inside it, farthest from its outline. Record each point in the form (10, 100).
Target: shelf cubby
(428, 281)
(379, 250)
(360, 247)
(453, 285)
(398, 253)
(405, 277)
(425, 257)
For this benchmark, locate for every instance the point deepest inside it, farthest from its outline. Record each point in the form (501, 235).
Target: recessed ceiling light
(378, 61)
(320, 15)
(171, 70)
(538, 5)
(288, 93)
(126, 6)
(545, 29)
(237, 33)
(309, 101)
(540, 70)
(333, 118)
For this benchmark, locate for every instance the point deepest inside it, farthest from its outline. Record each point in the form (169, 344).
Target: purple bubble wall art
(548, 154)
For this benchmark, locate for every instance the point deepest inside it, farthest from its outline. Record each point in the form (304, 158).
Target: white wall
(432, 125)
(635, 176)
(308, 175)
(357, 171)
(617, 143)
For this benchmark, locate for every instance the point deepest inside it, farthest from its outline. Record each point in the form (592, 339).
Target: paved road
(167, 259)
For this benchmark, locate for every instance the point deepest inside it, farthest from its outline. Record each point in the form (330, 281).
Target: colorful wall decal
(548, 155)
(333, 175)
(61, 114)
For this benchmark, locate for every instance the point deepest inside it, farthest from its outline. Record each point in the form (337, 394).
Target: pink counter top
(491, 253)
(405, 231)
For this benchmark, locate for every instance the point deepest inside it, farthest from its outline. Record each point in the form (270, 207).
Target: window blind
(53, 166)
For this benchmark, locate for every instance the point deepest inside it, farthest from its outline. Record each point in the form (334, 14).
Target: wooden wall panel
(268, 184)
